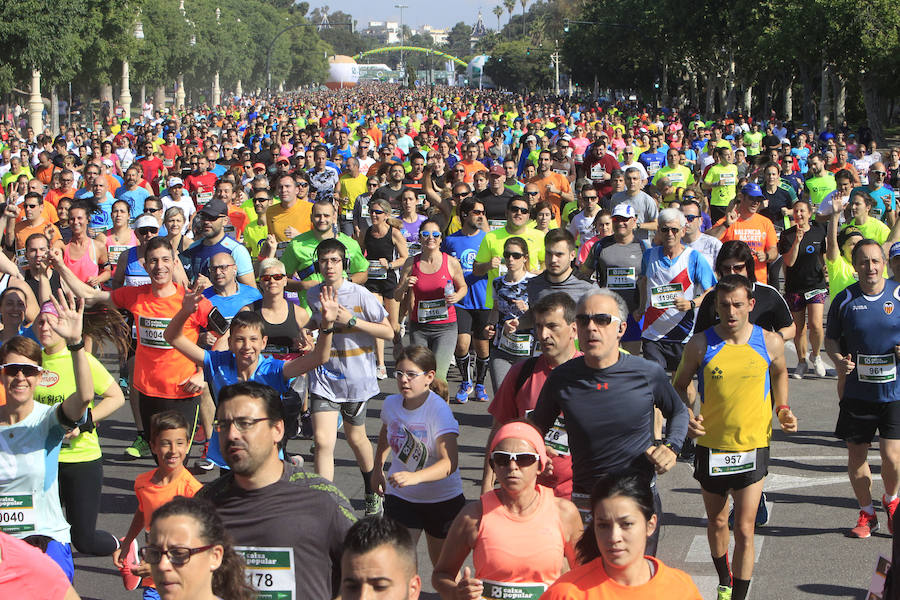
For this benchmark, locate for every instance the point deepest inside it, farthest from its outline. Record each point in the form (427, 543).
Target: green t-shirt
(872, 229)
(840, 275)
(492, 245)
(753, 141)
(726, 176)
(516, 188)
(679, 177)
(819, 187)
(298, 258)
(254, 234)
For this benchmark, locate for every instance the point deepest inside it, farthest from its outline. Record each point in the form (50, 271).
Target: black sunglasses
(515, 255)
(599, 319)
(518, 209)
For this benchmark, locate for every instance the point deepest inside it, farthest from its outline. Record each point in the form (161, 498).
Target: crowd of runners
(615, 283)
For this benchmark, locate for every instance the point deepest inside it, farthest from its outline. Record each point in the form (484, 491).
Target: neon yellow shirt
(726, 176)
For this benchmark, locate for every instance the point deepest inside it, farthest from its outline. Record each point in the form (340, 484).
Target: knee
(719, 521)
(324, 442)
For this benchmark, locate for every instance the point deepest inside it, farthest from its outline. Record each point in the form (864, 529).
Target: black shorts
(471, 320)
(722, 484)
(858, 420)
(717, 212)
(188, 407)
(383, 287)
(665, 354)
(434, 517)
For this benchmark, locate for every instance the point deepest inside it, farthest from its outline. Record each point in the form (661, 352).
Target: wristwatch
(331, 329)
(351, 323)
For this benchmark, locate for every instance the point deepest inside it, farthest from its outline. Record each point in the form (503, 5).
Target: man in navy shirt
(213, 217)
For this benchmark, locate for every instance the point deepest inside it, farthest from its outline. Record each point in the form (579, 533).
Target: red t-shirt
(151, 166)
(158, 367)
(201, 187)
(170, 153)
(26, 572)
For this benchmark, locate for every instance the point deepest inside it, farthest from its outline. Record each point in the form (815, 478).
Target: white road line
(699, 550)
(777, 482)
(817, 457)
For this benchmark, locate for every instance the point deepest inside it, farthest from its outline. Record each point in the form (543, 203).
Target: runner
(379, 560)
(720, 180)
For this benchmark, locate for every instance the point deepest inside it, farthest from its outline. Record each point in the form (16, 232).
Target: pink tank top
(430, 307)
(115, 249)
(86, 266)
(513, 549)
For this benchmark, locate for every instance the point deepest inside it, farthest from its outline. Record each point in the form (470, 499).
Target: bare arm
(174, 333)
(90, 294)
(111, 400)
(459, 543)
(68, 327)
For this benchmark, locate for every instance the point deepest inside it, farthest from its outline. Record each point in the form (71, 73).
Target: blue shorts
(633, 329)
(62, 555)
(150, 594)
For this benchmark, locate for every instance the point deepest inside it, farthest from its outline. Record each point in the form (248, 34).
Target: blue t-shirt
(218, 170)
(196, 258)
(652, 161)
(135, 199)
(868, 327)
(802, 156)
(231, 305)
(100, 219)
(882, 198)
(464, 248)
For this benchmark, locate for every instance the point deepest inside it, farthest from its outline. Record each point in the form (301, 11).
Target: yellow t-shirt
(492, 245)
(726, 177)
(349, 189)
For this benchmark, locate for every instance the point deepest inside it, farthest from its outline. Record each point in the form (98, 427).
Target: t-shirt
(770, 312)
(492, 245)
(706, 245)
(679, 177)
(645, 208)
(840, 275)
(135, 199)
(151, 496)
(591, 582)
(726, 177)
(413, 435)
(872, 229)
(202, 187)
(26, 572)
(279, 218)
(299, 256)
(230, 305)
(819, 187)
(539, 287)
(151, 316)
(349, 374)
(778, 199)
(324, 182)
(58, 383)
(609, 414)
(652, 161)
(196, 258)
(684, 276)
(464, 248)
(883, 199)
(758, 232)
(618, 266)
(807, 273)
(349, 188)
(495, 206)
(868, 327)
(301, 513)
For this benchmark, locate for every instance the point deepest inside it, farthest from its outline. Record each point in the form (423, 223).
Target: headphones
(345, 261)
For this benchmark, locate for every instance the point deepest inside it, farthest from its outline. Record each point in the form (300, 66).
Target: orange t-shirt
(239, 220)
(48, 213)
(590, 582)
(54, 196)
(24, 230)
(758, 232)
(158, 367)
(472, 168)
(555, 179)
(45, 174)
(297, 216)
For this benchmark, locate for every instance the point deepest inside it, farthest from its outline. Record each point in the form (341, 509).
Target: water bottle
(449, 290)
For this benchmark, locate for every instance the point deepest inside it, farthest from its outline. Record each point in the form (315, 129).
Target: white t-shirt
(708, 246)
(185, 203)
(412, 435)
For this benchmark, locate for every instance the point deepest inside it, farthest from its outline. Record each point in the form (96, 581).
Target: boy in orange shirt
(170, 443)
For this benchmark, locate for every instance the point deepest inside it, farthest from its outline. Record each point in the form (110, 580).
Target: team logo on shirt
(603, 386)
(888, 307)
(717, 373)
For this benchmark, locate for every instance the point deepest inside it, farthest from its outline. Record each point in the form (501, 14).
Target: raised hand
(71, 316)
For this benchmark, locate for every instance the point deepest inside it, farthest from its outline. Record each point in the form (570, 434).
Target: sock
(890, 498)
(722, 569)
(739, 589)
(367, 480)
(868, 509)
(481, 369)
(464, 364)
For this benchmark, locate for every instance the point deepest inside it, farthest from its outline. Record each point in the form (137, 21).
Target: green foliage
(515, 65)
(459, 40)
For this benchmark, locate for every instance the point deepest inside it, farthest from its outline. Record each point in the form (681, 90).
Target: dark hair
(732, 282)
(127, 206)
(802, 201)
(249, 319)
(557, 235)
(518, 241)
(22, 346)
(430, 221)
(166, 420)
(35, 236)
(857, 249)
(271, 399)
(737, 250)
(846, 233)
(870, 202)
(323, 202)
(39, 198)
(372, 532)
(518, 198)
(228, 580)
(424, 359)
(844, 174)
(330, 245)
(466, 205)
(157, 243)
(553, 301)
(628, 485)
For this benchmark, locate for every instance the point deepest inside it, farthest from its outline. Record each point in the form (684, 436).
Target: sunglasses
(476, 212)
(599, 319)
(151, 210)
(302, 184)
(426, 234)
(146, 230)
(27, 369)
(518, 209)
(522, 459)
(672, 230)
(515, 255)
(376, 211)
(532, 193)
(261, 199)
(464, 195)
(686, 198)
(31, 205)
(275, 276)
(691, 218)
(737, 267)
(177, 556)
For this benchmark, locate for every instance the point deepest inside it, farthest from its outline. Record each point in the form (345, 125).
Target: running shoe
(481, 394)
(800, 370)
(465, 390)
(130, 580)
(866, 525)
(723, 592)
(203, 462)
(819, 366)
(688, 450)
(890, 508)
(381, 372)
(296, 460)
(139, 448)
(123, 383)
(373, 505)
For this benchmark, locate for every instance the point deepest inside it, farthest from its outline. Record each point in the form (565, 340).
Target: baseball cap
(624, 210)
(108, 162)
(173, 181)
(531, 138)
(497, 170)
(895, 250)
(283, 159)
(214, 208)
(752, 189)
(259, 166)
(145, 221)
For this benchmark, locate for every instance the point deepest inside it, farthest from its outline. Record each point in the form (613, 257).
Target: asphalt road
(802, 553)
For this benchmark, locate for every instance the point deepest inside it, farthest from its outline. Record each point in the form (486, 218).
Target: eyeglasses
(302, 184)
(877, 173)
(372, 184)
(734, 268)
(242, 424)
(691, 218)
(177, 555)
(407, 374)
(151, 211)
(672, 230)
(32, 205)
(275, 276)
(518, 209)
(589, 198)
(27, 369)
(426, 234)
(523, 459)
(532, 193)
(261, 199)
(476, 212)
(599, 319)
(146, 230)
(686, 198)
(515, 255)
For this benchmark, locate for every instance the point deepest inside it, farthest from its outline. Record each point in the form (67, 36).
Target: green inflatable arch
(411, 49)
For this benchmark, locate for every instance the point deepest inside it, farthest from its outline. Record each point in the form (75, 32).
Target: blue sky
(439, 14)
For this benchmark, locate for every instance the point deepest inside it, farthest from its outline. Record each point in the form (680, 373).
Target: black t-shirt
(770, 312)
(806, 274)
(609, 414)
(302, 511)
(777, 200)
(494, 205)
(390, 194)
(35, 285)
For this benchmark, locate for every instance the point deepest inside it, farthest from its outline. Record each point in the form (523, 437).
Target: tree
(514, 65)
(459, 40)
(498, 11)
(510, 6)
(523, 3)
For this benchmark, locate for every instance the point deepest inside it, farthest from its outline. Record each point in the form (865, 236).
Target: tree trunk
(825, 97)
(872, 101)
(710, 96)
(159, 97)
(788, 107)
(809, 103)
(748, 99)
(664, 84)
(839, 87)
(767, 98)
(693, 96)
(729, 102)
(723, 95)
(54, 110)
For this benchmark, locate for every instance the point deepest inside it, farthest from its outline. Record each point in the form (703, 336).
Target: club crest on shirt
(888, 307)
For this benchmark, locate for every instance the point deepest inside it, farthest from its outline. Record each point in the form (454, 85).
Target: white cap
(175, 181)
(624, 210)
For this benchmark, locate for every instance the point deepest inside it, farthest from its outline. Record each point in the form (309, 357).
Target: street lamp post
(402, 66)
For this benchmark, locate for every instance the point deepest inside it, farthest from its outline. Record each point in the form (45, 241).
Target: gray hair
(632, 170)
(671, 215)
(270, 263)
(606, 293)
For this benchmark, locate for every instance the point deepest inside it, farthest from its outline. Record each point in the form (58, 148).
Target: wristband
(780, 408)
(693, 305)
(75, 347)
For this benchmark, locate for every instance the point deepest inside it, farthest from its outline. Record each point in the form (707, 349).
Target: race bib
(598, 172)
(376, 270)
(813, 293)
(497, 590)
(727, 179)
(579, 159)
(562, 172)
(621, 278)
(270, 571)
(877, 212)
(364, 211)
(150, 332)
(502, 270)
(203, 198)
(168, 162)
(557, 437)
(20, 258)
(675, 177)
(517, 344)
(433, 310)
(583, 503)
(876, 368)
(722, 462)
(653, 167)
(414, 248)
(664, 296)
(496, 224)
(280, 248)
(114, 252)
(16, 513)
(413, 452)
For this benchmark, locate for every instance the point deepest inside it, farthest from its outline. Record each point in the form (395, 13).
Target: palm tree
(510, 7)
(523, 3)
(498, 10)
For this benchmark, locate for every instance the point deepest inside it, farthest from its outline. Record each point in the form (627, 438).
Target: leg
(207, 411)
(359, 443)
(499, 367)
(443, 342)
(746, 502)
(717, 526)
(632, 347)
(80, 485)
(800, 336)
(379, 343)
(890, 466)
(434, 548)
(325, 438)
(816, 332)
(859, 472)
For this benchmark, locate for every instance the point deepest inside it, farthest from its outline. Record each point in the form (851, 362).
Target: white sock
(869, 509)
(890, 498)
